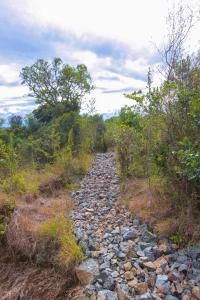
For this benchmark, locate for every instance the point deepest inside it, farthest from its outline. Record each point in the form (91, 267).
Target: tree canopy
(56, 82)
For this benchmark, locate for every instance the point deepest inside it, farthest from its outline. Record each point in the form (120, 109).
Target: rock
(129, 275)
(160, 262)
(183, 268)
(141, 288)
(150, 266)
(107, 295)
(186, 297)
(79, 234)
(181, 259)
(196, 292)
(130, 234)
(170, 297)
(109, 283)
(115, 274)
(104, 266)
(174, 276)
(127, 266)
(149, 253)
(121, 293)
(194, 252)
(88, 271)
(122, 253)
(146, 296)
(148, 236)
(89, 290)
(133, 283)
(161, 280)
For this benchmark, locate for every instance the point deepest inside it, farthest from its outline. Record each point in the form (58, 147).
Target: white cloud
(128, 23)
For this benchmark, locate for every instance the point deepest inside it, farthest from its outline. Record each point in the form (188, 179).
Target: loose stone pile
(124, 259)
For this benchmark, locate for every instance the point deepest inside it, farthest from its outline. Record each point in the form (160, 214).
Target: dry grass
(25, 281)
(150, 201)
(150, 206)
(24, 235)
(38, 239)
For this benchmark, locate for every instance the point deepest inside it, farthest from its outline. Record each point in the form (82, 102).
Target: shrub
(14, 185)
(60, 229)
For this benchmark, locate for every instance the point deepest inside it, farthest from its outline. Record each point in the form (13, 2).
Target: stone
(109, 283)
(89, 290)
(129, 275)
(105, 265)
(127, 266)
(122, 253)
(122, 293)
(194, 252)
(148, 236)
(146, 296)
(141, 288)
(115, 274)
(149, 253)
(170, 297)
(196, 292)
(130, 234)
(174, 276)
(161, 279)
(149, 265)
(183, 268)
(88, 271)
(107, 295)
(160, 262)
(132, 283)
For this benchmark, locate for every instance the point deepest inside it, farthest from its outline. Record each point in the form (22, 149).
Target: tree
(1, 122)
(15, 122)
(55, 82)
(179, 24)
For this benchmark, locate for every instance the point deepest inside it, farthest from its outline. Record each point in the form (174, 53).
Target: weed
(60, 229)
(177, 239)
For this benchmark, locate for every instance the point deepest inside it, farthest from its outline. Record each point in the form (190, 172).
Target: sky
(115, 39)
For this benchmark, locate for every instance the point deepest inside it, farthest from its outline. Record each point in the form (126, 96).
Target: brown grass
(24, 281)
(151, 207)
(22, 234)
(150, 201)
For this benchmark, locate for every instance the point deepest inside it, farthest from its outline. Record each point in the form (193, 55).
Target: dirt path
(124, 259)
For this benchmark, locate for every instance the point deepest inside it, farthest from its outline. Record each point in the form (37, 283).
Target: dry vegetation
(38, 248)
(151, 203)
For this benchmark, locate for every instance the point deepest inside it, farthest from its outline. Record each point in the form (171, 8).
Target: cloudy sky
(112, 37)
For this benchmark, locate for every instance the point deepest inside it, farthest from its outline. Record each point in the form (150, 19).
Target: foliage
(60, 229)
(177, 239)
(158, 136)
(15, 121)
(56, 85)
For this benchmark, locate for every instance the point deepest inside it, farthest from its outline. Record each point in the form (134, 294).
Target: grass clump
(60, 229)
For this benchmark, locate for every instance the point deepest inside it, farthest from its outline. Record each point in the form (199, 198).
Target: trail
(125, 260)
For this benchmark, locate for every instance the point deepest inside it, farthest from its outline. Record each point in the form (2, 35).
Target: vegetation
(158, 137)
(41, 155)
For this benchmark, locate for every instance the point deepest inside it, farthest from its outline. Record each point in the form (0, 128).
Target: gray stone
(146, 296)
(183, 268)
(109, 283)
(130, 234)
(170, 297)
(104, 266)
(88, 271)
(181, 259)
(108, 294)
(161, 280)
(148, 236)
(115, 274)
(149, 253)
(89, 290)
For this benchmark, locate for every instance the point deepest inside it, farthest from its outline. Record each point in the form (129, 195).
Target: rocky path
(124, 260)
